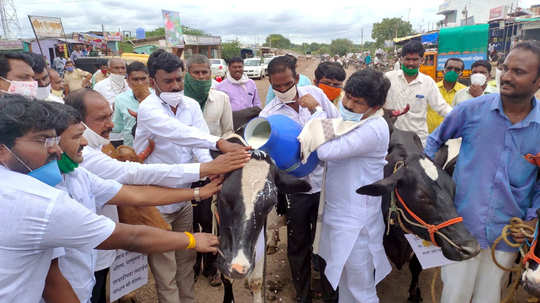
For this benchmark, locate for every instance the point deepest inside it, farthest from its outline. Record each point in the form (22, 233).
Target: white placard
(428, 254)
(128, 272)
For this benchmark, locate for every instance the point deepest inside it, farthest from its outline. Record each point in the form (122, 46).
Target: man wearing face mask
(176, 124)
(480, 77)
(101, 74)
(303, 80)
(75, 78)
(41, 75)
(116, 83)
(96, 114)
(329, 77)
(57, 83)
(300, 104)
(16, 75)
(241, 90)
(449, 86)
(410, 87)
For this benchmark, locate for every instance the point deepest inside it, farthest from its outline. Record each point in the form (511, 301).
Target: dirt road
(393, 289)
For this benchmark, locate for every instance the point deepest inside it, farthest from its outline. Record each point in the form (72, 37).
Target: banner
(113, 36)
(128, 272)
(173, 28)
(47, 27)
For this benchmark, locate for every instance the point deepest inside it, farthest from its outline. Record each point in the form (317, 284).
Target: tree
(390, 28)
(341, 46)
(230, 49)
(278, 41)
(186, 30)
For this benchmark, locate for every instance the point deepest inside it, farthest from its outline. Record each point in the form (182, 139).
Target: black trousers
(99, 293)
(301, 223)
(202, 222)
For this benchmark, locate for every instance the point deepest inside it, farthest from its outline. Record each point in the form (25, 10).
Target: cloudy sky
(249, 21)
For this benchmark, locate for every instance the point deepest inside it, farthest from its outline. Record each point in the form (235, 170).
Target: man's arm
(130, 195)
(57, 288)
(226, 123)
(117, 117)
(450, 128)
(149, 240)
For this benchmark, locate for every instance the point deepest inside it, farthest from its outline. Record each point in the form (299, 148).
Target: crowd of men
(60, 191)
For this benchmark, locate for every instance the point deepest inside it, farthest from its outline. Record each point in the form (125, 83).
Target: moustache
(507, 83)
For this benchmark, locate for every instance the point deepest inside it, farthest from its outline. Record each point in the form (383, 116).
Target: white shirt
(133, 173)
(464, 95)
(54, 98)
(77, 265)
(36, 218)
(109, 90)
(419, 93)
(218, 114)
(353, 160)
(180, 138)
(302, 117)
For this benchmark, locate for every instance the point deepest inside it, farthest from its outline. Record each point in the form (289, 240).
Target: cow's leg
(228, 295)
(414, 290)
(256, 278)
(274, 223)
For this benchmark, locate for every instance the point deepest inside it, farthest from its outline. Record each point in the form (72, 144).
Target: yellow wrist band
(192, 242)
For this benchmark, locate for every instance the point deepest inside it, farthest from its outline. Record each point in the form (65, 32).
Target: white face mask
(288, 96)
(25, 88)
(117, 79)
(94, 139)
(478, 79)
(43, 92)
(172, 99)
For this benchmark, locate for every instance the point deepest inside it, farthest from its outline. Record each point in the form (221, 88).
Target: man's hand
(205, 243)
(225, 163)
(308, 102)
(476, 90)
(519, 237)
(225, 146)
(211, 188)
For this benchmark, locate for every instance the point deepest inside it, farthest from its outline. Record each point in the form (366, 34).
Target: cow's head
(247, 196)
(427, 190)
(531, 275)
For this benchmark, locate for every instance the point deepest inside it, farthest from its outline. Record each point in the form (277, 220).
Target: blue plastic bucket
(277, 135)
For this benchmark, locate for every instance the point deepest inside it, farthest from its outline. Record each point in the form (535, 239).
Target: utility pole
(10, 23)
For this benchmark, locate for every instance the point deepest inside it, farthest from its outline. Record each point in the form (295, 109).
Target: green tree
(278, 41)
(160, 32)
(230, 49)
(341, 46)
(389, 28)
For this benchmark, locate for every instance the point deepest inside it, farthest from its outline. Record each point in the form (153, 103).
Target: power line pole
(10, 23)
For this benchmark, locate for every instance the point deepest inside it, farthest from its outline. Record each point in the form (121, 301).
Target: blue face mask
(347, 115)
(48, 173)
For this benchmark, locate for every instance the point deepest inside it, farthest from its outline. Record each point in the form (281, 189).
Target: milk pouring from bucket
(277, 135)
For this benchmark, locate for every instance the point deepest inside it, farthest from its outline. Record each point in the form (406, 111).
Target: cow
(428, 192)
(246, 198)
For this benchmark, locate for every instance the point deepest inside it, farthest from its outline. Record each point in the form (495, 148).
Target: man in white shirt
(96, 114)
(176, 124)
(480, 76)
(41, 75)
(38, 217)
(299, 103)
(416, 89)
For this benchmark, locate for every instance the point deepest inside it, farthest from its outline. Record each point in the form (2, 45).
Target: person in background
(304, 80)
(77, 53)
(329, 77)
(300, 104)
(397, 64)
(16, 74)
(480, 77)
(496, 131)
(101, 73)
(41, 75)
(139, 84)
(58, 63)
(115, 83)
(413, 88)
(57, 83)
(75, 78)
(449, 86)
(241, 90)
(498, 73)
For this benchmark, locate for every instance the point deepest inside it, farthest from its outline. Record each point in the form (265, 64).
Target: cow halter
(432, 229)
(530, 254)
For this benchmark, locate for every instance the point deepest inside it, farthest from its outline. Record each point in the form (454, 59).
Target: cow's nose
(241, 269)
(470, 250)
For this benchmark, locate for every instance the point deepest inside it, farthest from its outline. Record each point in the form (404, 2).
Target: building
(468, 12)
(209, 46)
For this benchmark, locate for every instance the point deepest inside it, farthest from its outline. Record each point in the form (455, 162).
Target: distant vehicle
(253, 68)
(247, 53)
(218, 67)
(265, 63)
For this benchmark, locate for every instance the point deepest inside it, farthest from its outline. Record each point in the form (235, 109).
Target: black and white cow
(246, 198)
(429, 192)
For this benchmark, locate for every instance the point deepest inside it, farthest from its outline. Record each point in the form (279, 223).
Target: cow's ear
(381, 187)
(441, 156)
(289, 184)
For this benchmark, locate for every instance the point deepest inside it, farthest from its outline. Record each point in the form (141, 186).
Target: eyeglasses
(47, 142)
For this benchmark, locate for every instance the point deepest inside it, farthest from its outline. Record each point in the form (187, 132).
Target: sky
(247, 21)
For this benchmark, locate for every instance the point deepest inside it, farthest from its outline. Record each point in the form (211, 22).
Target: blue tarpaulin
(430, 38)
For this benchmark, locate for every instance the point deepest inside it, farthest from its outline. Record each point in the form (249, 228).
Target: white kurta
(354, 160)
